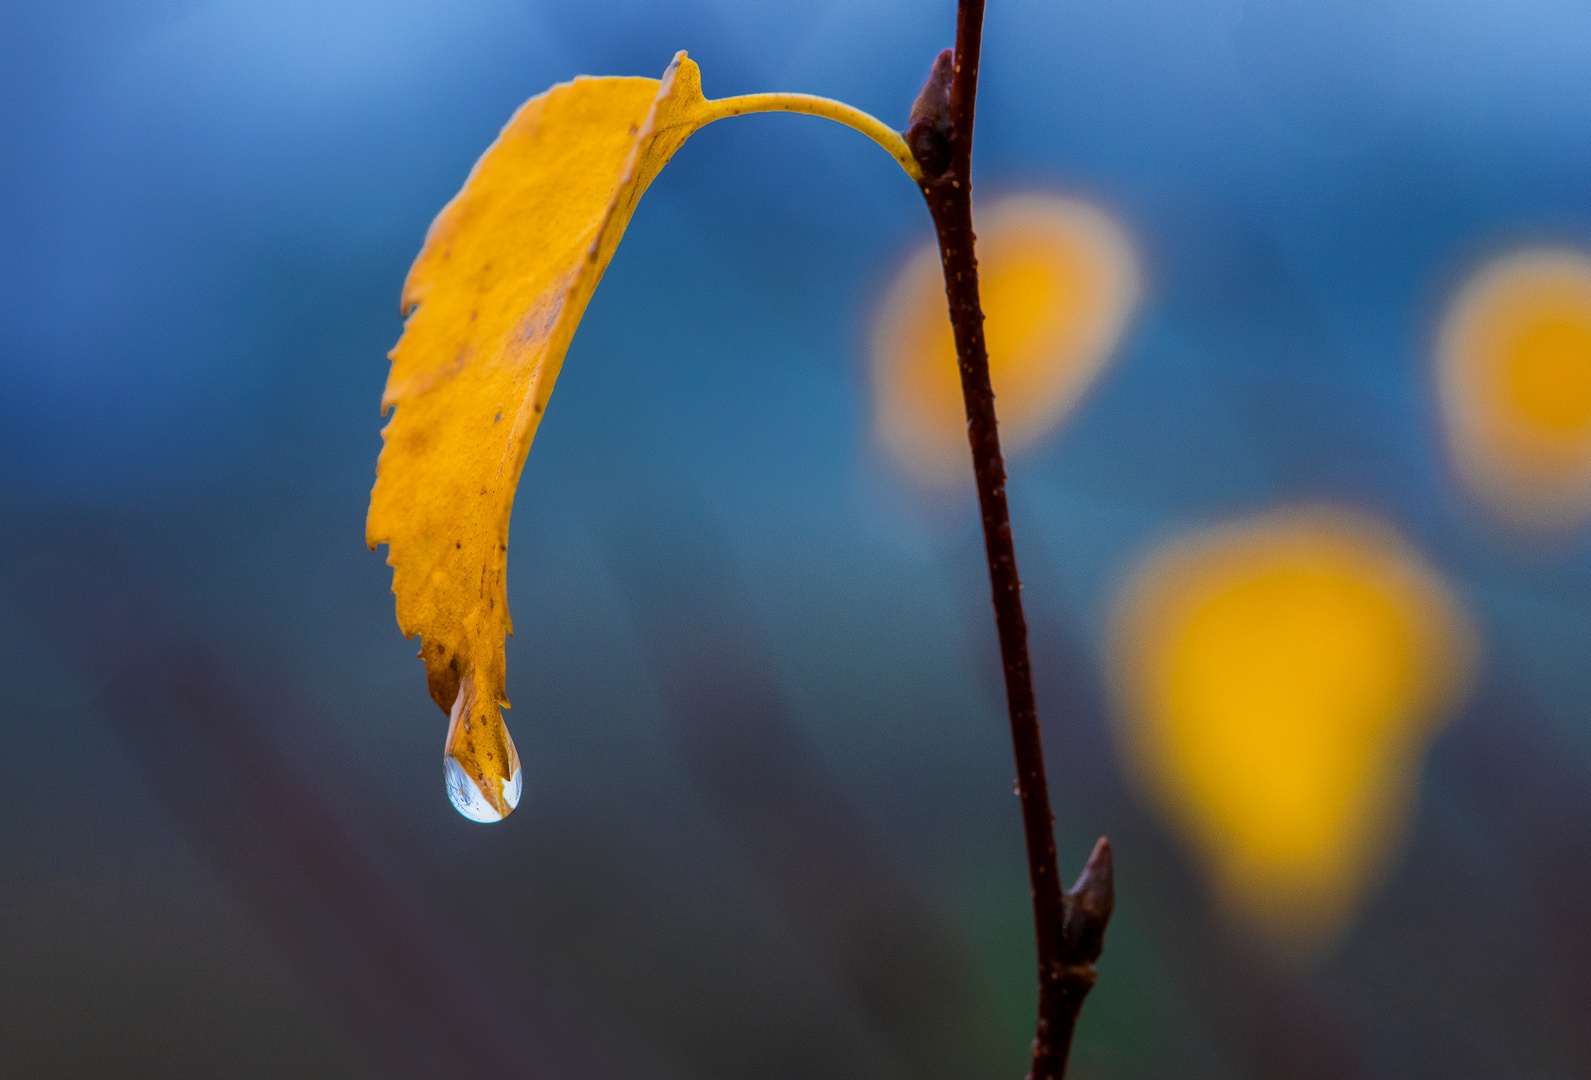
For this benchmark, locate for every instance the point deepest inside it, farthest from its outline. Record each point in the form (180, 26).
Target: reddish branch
(1069, 925)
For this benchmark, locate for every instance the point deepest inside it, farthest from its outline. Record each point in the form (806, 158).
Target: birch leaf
(492, 301)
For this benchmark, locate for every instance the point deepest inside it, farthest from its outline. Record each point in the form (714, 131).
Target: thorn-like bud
(1088, 906)
(928, 129)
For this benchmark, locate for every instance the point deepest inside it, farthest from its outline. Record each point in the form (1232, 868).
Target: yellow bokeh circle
(1058, 279)
(1513, 372)
(1278, 681)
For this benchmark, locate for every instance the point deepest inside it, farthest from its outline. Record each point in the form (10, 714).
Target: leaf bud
(928, 129)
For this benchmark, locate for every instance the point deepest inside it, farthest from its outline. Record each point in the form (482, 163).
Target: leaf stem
(837, 111)
(1069, 926)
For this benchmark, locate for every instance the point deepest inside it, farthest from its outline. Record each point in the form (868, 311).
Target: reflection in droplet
(480, 763)
(467, 798)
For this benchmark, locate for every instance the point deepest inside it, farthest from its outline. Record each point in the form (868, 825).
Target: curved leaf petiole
(812, 105)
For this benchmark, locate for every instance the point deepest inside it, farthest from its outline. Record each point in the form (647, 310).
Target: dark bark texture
(1069, 925)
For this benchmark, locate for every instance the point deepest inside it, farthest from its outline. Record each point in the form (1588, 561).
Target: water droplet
(467, 798)
(480, 763)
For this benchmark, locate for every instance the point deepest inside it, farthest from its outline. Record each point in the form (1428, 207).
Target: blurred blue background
(767, 827)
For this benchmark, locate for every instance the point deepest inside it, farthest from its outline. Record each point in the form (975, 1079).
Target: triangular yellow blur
(1280, 679)
(1057, 280)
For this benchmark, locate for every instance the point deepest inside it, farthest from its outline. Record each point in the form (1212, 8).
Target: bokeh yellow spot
(1279, 681)
(1058, 279)
(1513, 371)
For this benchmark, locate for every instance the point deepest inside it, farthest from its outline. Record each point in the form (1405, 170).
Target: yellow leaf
(493, 301)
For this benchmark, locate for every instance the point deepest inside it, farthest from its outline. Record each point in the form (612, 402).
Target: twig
(1069, 926)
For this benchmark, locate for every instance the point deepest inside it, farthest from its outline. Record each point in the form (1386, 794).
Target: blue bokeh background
(767, 827)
